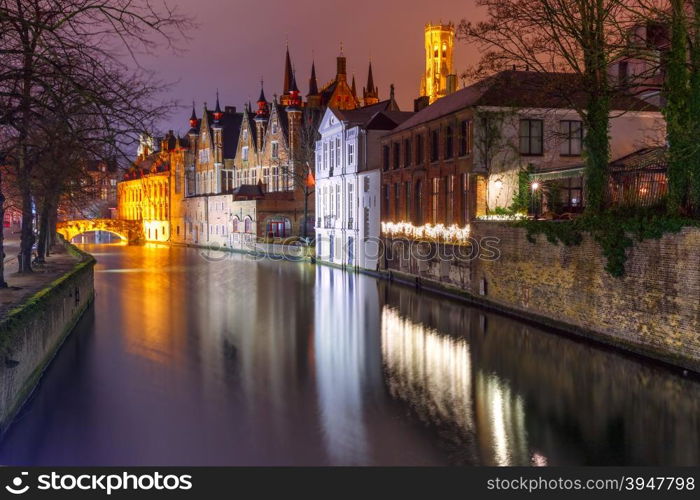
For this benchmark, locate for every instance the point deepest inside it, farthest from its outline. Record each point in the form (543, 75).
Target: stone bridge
(129, 230)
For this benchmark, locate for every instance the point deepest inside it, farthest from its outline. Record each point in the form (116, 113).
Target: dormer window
(275, 150)
(274, 126)
(244, 153)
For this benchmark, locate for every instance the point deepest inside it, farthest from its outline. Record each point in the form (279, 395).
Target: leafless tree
(77, 42)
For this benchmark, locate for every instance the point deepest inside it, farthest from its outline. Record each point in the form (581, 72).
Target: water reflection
(186, 360)
(537, 398)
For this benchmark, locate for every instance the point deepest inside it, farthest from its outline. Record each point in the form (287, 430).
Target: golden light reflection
(429, 370)
(501, 417)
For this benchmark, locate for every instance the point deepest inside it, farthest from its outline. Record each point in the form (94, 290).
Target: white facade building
(348, 183)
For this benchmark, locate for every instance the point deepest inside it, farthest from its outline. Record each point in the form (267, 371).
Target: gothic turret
(263, 110)
(193, 120)
(218, 114)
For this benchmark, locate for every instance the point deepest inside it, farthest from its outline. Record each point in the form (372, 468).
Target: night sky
(238, 42)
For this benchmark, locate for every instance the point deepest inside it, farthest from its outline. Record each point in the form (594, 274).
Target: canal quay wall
(653, 310)
(31, 333)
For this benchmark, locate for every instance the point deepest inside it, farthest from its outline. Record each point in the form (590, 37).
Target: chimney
(451, 84)
(421, 103)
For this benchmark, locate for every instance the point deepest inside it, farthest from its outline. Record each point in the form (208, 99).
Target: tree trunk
(43, 231)
(675, 111)
(597, 154)
(694, 110)
(306, 212)
(27, 234)
(3, 283)
(52, 228)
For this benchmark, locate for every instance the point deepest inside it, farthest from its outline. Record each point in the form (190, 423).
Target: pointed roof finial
(341, 47)
(353, 88)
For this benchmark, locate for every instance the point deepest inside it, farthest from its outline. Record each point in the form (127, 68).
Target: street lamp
(535, 187)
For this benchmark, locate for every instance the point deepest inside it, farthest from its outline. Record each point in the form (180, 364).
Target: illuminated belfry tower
(439, 79)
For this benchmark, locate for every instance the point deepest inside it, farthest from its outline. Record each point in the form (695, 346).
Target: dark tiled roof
(521, 89)
(379, 116)
(643, 159)
(231, 125)
(248, 191)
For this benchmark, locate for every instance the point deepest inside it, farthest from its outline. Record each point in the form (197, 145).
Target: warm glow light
(498, 184)
(439, 232)
(502, 217)
(535, 186)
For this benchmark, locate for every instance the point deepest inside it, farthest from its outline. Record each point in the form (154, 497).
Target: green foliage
(502, 211)
(552, 192)
(597, 153)
(676, 111)
(614, 232)
(522, 198)
(694, 110)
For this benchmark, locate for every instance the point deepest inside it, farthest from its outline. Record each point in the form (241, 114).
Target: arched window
(234, 224)
(248, 225)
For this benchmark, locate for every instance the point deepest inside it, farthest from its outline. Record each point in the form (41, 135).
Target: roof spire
(262, 91)
(287, 72)
(353, 87)
(370, 79)
(313, 84)
(218, 114)
(262, 110)
(193, 117)
(370, 93)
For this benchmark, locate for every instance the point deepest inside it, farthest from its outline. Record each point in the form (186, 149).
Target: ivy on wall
(615, 232)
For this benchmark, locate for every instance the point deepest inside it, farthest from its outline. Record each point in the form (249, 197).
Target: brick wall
(653, 310)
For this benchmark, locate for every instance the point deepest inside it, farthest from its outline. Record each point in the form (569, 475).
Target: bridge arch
(129, 230)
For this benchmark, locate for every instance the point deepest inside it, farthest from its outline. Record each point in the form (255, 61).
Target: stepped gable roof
(252, 130)
(282, 117)
(521, 89)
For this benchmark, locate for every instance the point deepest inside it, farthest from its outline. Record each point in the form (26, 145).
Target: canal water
(199, 358)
